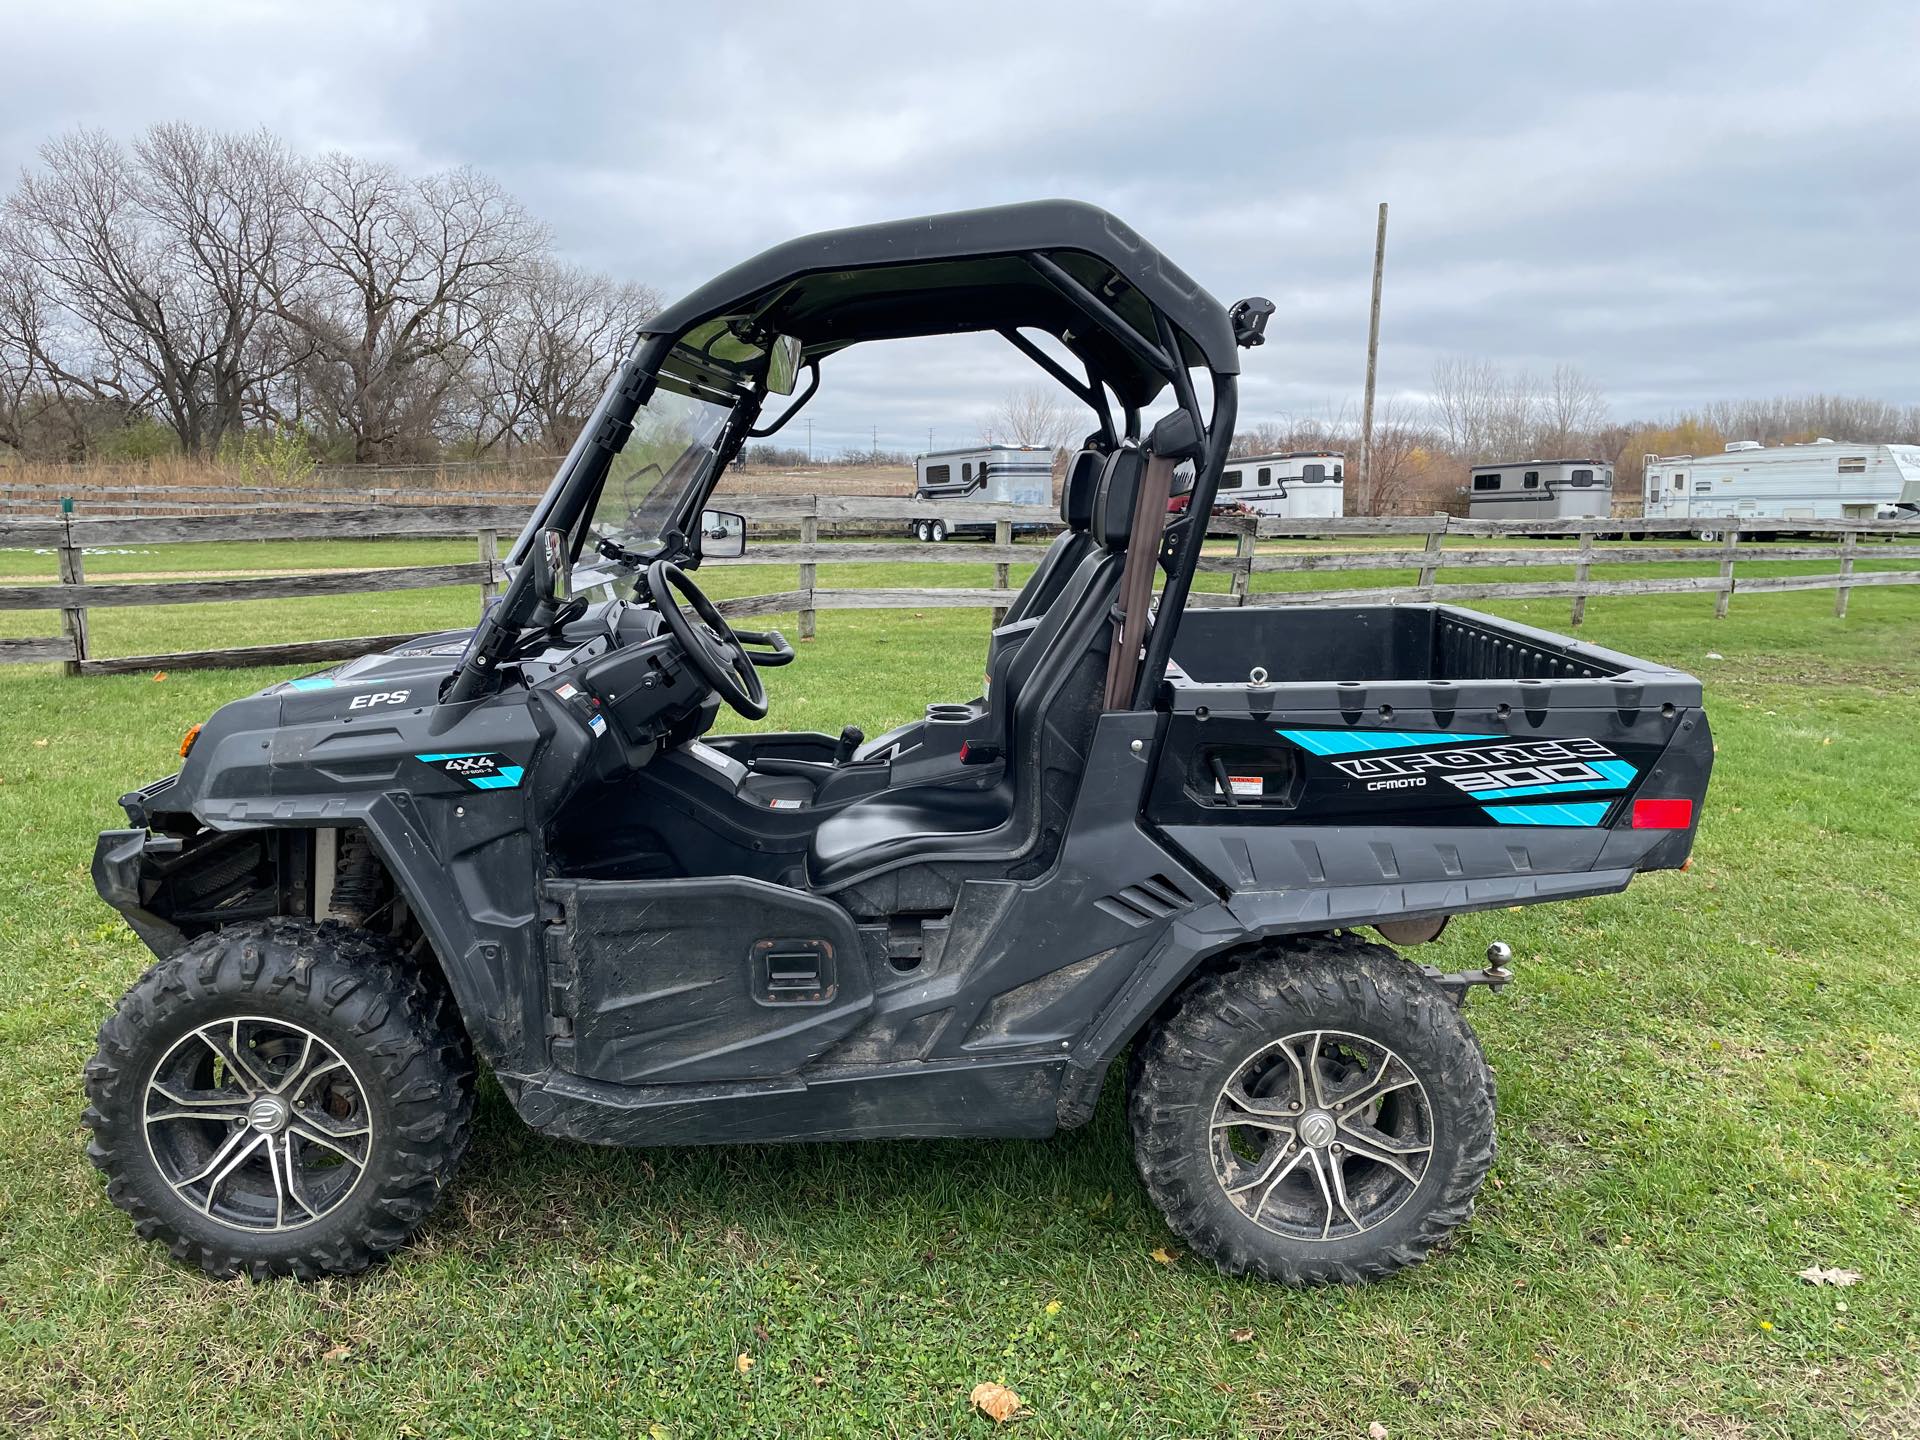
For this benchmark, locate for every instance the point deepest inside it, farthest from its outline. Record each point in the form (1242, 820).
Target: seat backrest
(1070, 546)
(1109, 519)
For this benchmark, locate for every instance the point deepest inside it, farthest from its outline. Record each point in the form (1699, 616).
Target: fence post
(1245, 542)
(73, 571)
(1849, 543)
(1582, 570)
(1431, 565)
(809, 537)
(489, 557)
(1002, 571)
(1721, 601)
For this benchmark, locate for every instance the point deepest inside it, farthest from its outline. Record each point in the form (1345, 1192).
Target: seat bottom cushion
(911, 824)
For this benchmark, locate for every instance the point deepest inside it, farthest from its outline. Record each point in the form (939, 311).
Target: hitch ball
(1498, 954)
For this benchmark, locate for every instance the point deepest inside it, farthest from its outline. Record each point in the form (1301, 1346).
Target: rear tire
(281, 1098)
(939, 531)
(1363, 1124)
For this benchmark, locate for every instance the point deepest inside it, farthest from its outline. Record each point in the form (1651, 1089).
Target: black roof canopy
(973, 270)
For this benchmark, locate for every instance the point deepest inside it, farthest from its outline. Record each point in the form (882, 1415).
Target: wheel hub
(269, 1114)
(1317, 1129)
(1322, 1135)
(257, 1123)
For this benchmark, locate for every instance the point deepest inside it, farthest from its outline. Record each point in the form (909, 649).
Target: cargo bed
(1422, 759)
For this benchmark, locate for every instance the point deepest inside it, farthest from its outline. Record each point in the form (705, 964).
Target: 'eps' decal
(484, 770)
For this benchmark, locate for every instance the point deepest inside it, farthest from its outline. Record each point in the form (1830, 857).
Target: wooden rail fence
(1422, 548)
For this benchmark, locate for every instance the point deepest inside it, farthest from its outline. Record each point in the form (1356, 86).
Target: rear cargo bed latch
(1458, 982)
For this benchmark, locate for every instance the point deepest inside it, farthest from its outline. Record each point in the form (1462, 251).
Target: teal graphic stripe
(1619, 774)
(1561, 815)
(453, 755)
(1352, 742)
(508, 777)
(312, 682)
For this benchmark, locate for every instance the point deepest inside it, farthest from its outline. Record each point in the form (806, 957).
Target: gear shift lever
(850, 739)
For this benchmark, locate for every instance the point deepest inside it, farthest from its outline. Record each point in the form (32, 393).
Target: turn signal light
(187, 743)
(1662, 814)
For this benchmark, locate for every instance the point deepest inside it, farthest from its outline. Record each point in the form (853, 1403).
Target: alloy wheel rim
(257, 1124)
(1321, 1136)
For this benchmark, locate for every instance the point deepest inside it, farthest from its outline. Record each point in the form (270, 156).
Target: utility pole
(809, 440)
(1373, 355)
(873, 455)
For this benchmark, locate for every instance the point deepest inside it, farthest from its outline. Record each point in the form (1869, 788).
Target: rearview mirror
(783, 364)
(554, 573)
(723, 535)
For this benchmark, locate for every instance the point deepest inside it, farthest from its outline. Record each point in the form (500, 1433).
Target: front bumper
(128, 870)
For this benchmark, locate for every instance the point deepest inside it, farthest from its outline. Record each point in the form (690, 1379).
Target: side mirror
(555, 573)
(784, 358)
(723, 535)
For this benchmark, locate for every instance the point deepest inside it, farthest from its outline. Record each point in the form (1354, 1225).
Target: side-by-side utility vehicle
(1164, 831)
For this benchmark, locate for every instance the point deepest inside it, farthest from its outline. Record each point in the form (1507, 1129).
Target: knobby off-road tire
(1239, 1139)
(341, 1071)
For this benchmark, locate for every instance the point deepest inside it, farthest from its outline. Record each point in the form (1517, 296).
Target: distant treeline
(194, 291)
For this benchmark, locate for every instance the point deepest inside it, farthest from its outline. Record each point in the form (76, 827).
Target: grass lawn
(1706, 1084)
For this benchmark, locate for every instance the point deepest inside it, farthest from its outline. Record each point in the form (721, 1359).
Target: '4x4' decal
(484, 770)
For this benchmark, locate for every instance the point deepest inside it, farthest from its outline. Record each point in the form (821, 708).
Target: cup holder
(949, 712)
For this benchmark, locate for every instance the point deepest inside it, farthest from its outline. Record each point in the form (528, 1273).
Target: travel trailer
(1823, 480)
(1540, 490)
(1298, 485)
(1005, 474)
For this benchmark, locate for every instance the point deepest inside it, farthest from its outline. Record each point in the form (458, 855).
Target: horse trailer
(1540, 490)
(1000, 474)
(1821, 480)
(1296, 485)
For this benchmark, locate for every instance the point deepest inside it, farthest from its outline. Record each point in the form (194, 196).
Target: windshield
(673, 439)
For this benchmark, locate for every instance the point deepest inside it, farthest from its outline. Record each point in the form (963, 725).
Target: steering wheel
(709, 642)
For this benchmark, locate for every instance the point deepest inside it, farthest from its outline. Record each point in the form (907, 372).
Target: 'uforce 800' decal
(484, 770)
(1478, 767)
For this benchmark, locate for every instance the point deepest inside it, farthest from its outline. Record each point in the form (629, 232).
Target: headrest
(1113, 502)
(1077, 491)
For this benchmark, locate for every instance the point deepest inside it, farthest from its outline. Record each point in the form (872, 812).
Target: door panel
(716, 979)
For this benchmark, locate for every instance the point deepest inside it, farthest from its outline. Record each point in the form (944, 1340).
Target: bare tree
(543, 361)
(1034, 416)
(1573, 411)
(399, 283)
(156, 257)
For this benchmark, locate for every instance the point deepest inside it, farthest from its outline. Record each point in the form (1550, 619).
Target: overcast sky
(1688, 201)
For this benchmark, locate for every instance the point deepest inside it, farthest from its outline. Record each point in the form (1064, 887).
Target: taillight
(186, 744)
(1662, 814)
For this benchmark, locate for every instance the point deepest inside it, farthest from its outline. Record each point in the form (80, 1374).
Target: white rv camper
(1299, 485)
(1823, 480)
(1005, 474)
(1540, 490)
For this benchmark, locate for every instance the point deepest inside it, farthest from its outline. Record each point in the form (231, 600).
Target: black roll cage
(658, 357)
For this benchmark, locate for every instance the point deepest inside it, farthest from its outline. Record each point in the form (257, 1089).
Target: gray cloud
(1689, 201)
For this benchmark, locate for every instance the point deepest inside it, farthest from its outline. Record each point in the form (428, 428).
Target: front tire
(280, 1098)
(1318, 1112)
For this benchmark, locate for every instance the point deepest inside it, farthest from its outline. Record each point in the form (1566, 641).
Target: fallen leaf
(1376, 1431)
(337, 1353)
(1824, 1275)
(41, 744)
(657, 1432)
(158, 676)
(1242, 1336)
(1165, 1256)
(995, 1401)
(743, 1364)
(761, 1334)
